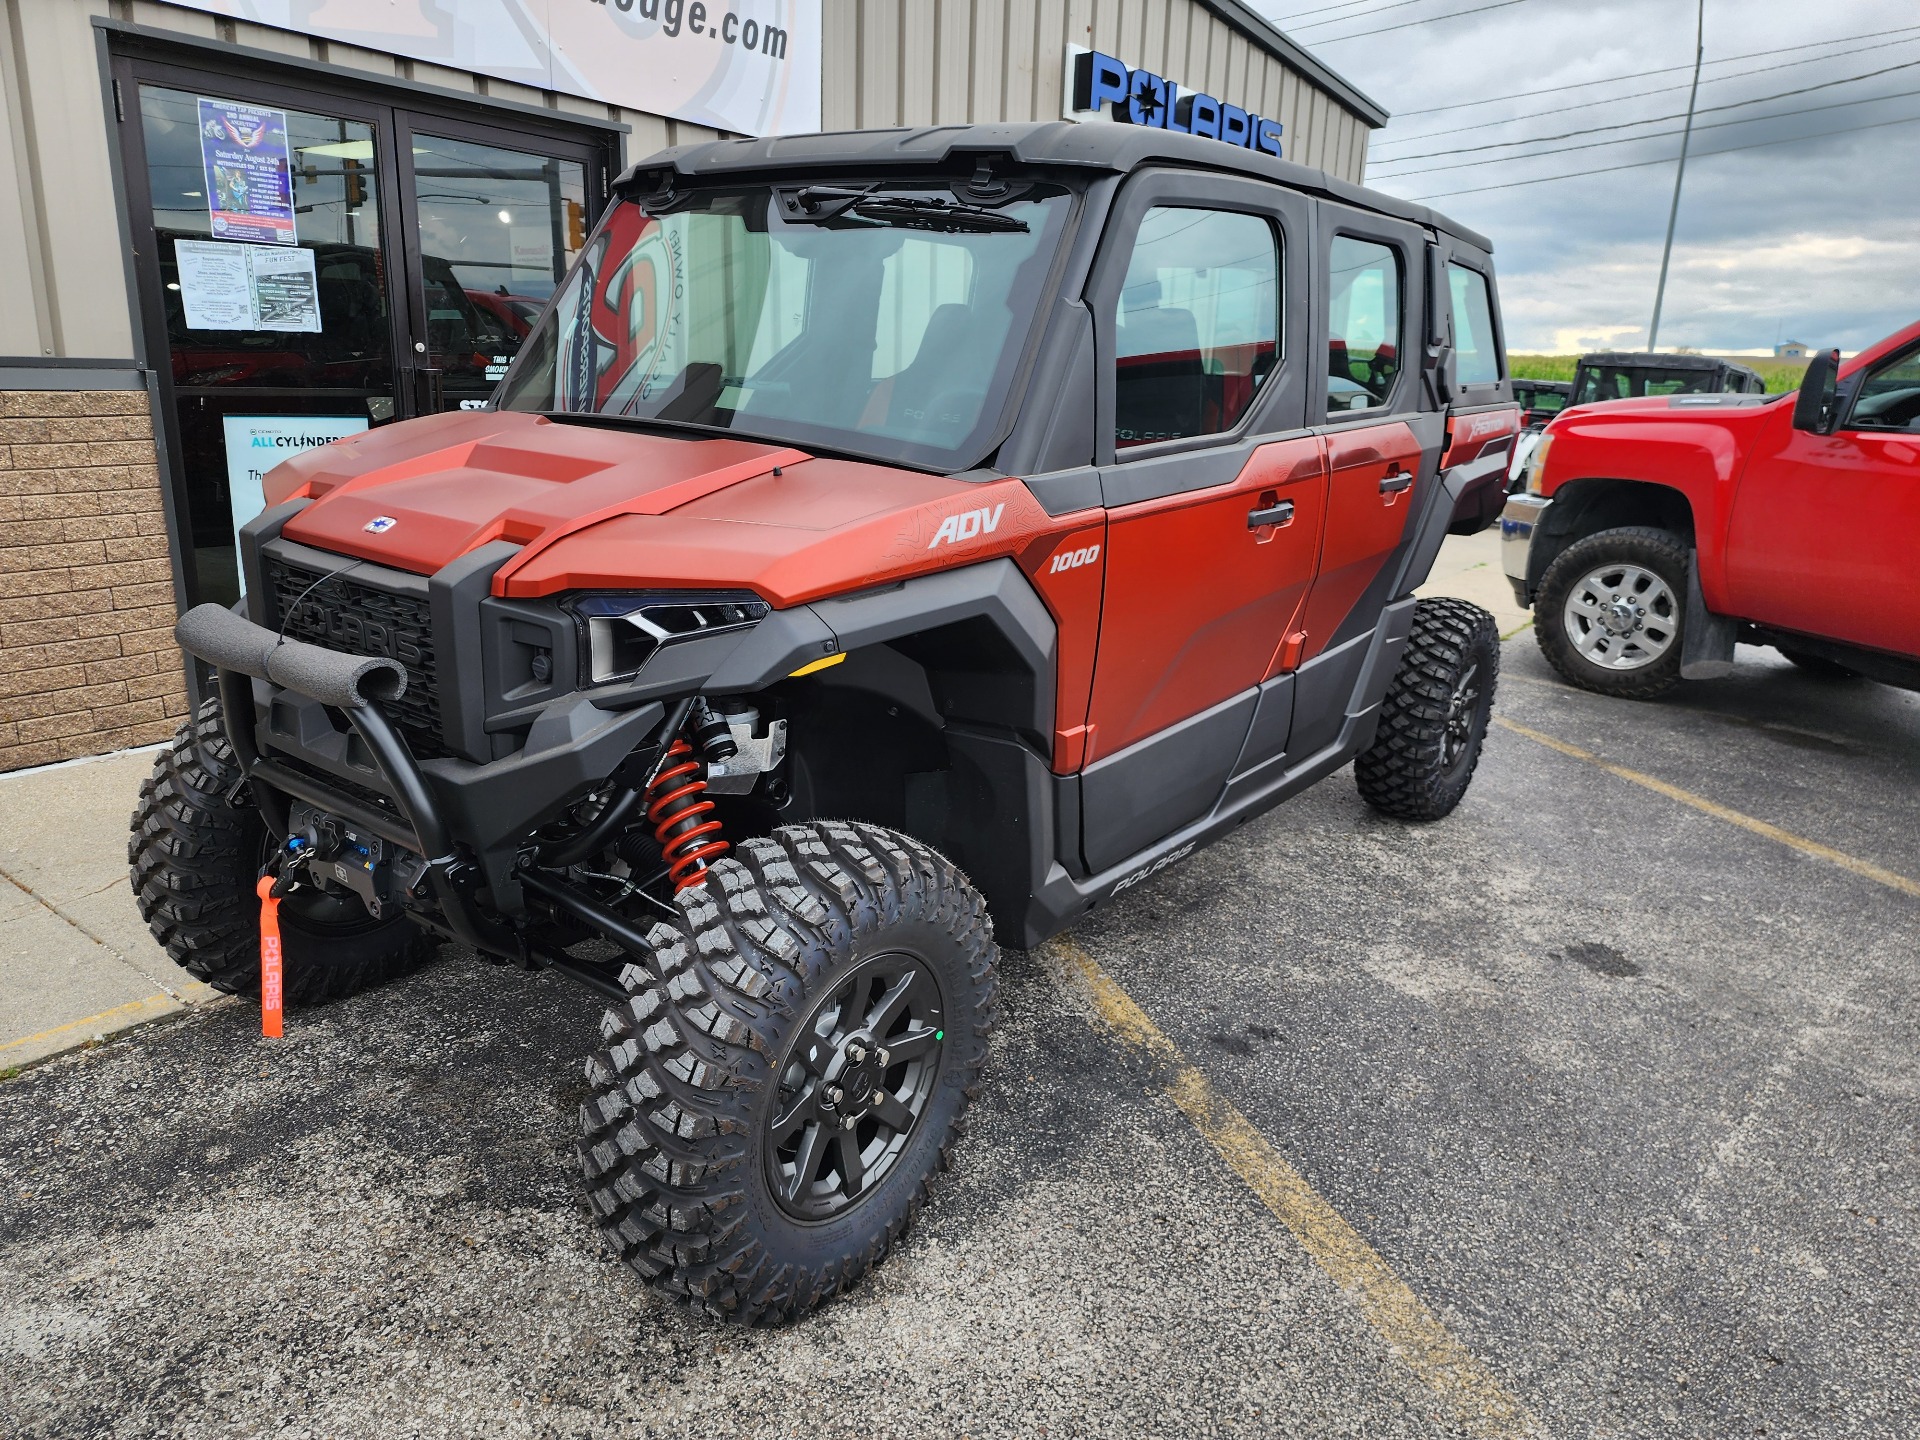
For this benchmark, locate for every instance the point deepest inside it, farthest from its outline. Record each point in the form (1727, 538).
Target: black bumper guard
(240, 650)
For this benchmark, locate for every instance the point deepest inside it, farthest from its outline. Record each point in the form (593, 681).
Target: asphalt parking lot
(1623, 1091)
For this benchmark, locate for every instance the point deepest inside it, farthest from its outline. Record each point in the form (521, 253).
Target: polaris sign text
(1098, 84)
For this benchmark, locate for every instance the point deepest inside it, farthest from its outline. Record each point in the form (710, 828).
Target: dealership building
(232, 229)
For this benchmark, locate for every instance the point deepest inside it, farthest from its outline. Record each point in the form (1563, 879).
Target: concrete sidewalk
(1468, 566)
(76, 961)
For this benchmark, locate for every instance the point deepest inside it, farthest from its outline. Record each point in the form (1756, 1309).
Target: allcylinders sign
(748, 66)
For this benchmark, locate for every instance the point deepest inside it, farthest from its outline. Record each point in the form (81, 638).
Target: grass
(1781, 376)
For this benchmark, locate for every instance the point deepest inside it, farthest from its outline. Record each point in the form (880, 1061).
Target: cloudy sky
(1816, 238)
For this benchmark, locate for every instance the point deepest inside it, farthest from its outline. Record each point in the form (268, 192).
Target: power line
(1363, 15)
(1663, 134)
(1653, 119)
(1409, 24)
(1343, 5)
(1663, 160)
(1636, 95)
(1663, 70)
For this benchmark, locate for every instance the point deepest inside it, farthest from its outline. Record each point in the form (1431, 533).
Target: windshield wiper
(822, 204)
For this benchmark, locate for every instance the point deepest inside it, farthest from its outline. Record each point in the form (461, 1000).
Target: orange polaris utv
(882, 542)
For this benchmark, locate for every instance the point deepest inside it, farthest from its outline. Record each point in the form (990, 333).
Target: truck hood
(599, 505)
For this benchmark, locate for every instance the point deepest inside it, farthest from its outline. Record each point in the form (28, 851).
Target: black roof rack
(1110, 147)
(1660, 360)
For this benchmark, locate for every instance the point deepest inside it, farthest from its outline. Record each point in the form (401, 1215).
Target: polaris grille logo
(355, 634)
(967, 524)
(380, 524)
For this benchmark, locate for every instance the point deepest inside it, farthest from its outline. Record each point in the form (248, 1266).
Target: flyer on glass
(249, 165)
(247, 287)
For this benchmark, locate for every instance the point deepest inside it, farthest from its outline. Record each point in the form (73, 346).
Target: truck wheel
(1818, 666)
(1608, 615)
(791, 1069)
(194, 859)
(1434, 718)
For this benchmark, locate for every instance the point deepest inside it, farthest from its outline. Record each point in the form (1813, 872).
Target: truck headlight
(625, 631)
(1537, 464)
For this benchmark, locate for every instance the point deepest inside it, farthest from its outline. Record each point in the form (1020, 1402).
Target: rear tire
(1818, 666)
(717, 1157)
(1434, 718)
(1610, 612)
(194, 860)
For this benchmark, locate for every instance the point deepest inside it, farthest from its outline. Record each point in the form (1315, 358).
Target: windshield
(1621, 382)
(885, 321)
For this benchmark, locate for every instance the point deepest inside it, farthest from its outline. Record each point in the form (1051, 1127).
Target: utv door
(1382, 442)
(1215, 491)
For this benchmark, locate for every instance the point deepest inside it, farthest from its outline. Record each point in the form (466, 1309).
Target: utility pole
(1686, 138)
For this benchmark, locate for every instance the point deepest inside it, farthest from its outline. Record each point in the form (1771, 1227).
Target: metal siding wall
(79, 305)
(24, 327)
(1153, 41)
(1049, 48)
(953, 63)
(879, 64)
(839, 64)
(990, 79)
(916, 63)
(1023, 28)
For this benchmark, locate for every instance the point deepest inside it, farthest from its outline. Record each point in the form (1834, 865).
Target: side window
(1198, 324)
(1890, 397)
(1476, 356)
(1363, 325)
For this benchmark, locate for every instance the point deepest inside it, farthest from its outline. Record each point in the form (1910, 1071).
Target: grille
(340, 613)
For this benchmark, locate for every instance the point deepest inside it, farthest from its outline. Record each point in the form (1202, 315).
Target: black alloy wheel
(790, 1069)
(853, 1085)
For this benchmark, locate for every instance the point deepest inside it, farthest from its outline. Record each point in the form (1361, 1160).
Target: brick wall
(87, 659)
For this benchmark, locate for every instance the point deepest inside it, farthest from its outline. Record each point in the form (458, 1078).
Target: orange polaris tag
(270, 977)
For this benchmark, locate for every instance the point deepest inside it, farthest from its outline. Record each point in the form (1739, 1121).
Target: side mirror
(1813, 411)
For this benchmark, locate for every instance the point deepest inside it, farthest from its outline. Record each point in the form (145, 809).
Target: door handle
(1394, 481)
(430, 389)
(1280, 514)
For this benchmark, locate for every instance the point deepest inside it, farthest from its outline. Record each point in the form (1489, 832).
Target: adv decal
(966, 525)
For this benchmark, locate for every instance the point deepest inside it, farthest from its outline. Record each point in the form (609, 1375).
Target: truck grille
(344, 614)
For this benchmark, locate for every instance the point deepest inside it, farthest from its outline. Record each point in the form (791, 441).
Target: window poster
(249, 169)
(247, 287)
(257, 443)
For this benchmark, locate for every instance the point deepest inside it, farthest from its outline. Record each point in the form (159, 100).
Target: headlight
(1537, 464)
(625, 631)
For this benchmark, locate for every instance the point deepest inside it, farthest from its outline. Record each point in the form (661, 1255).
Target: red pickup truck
(1650, 535)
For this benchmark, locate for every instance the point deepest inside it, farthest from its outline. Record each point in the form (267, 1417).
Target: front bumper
(1523, 513)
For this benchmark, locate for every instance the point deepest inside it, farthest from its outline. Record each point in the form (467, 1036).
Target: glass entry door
(495, 229)
(313, 265)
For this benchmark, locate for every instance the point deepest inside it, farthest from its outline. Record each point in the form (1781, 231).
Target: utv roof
(1652, 361)
(1115, 148)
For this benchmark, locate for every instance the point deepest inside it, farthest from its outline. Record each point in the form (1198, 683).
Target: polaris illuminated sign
(1099, 85)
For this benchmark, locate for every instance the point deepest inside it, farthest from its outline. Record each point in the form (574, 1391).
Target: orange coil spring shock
(677, 807)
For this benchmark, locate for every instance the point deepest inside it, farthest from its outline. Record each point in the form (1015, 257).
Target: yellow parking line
(131, 1013)
(1443, 1364)
(1864, 868)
